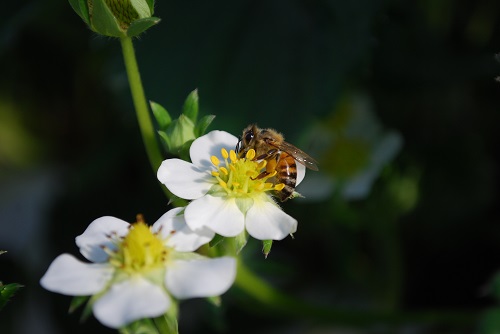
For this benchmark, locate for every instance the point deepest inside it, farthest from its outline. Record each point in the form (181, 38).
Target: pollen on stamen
(224, 170)
(250, 154)
(262, 164)
(215, 160)
(222, 184)
(214, 173)
(279, 186)
(224, 153)
(232, 156)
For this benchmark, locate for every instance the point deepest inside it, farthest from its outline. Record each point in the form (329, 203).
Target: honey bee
(271, 146)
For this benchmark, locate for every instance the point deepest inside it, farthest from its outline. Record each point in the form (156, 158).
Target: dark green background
(70, 149)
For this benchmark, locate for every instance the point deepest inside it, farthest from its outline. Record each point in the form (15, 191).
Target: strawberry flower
(227, 198)
(137, 269)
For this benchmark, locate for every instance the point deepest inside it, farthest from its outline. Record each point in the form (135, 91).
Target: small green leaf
(190, 108)
(76, 302)
(103, 21)
(240, 241)
(202, 125)
(266, 247)
(184, 150)
(80, 7)
(216, 240)
(139, 26)
(7, 292)
(142, 326)
(161, 115)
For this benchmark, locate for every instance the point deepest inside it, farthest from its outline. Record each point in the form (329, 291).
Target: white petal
(184, 179)
(69, 276)
(131, 300)
(101, 232)
(200, 278)
(211, 144)
(301, 172)
(173, 227)
(220, 214)
(266, 221)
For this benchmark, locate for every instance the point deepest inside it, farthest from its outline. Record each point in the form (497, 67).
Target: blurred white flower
(226, 196)
(136, 268)
(352, 148)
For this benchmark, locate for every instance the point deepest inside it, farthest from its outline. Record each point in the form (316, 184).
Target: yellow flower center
(243, 177)
(140, 251)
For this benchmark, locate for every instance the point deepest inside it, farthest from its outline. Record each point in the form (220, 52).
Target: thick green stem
(140, 104)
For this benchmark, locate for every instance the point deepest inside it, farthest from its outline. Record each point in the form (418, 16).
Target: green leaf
(7, 292)
(143, 326)
(266, 247)
(161, 115)
(202, 125)
(216, 240)
(76, 302)
(139, 26)
(80, 7)
(103, 20)
(190, 108)
(215, 301)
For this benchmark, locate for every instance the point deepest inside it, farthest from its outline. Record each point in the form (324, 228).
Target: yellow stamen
(223, 184)
(250, 154)
(224, 153)
(224, 170)
(214, 173)
(215, 160)
(262, 164)
(232, 156)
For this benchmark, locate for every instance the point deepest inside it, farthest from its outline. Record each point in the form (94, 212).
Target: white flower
(137, 268)
(226, 196)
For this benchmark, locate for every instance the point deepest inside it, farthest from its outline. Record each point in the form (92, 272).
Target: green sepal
(190, 108)
(217, 239)
(103, 20)
(151, 4)
(7, 292)
(161, 115)
(180, 131)
(215, 301)
(240, 241)
(142, 8)
(141, 25)
(142, 326)
(76, 302)
(166, 140)
(266, 247)
(87, 310)
(202, 125)
(184, 150)
(80, 7)
(167, 323)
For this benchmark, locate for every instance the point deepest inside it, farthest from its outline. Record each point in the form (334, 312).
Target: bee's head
(245, 141)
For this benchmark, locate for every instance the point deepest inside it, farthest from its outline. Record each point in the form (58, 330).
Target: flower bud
(116, 18)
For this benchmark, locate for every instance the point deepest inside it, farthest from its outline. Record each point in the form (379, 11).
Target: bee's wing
(299, 155)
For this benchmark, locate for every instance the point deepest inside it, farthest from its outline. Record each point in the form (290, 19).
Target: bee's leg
(270, 167)
(267, 155)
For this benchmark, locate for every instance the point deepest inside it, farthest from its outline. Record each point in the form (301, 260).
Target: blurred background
(396, 100)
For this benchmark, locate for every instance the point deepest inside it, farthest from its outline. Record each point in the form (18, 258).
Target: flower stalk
(140, 104)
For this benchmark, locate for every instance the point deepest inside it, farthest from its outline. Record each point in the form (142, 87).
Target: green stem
(277, 303)
(140, 104)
